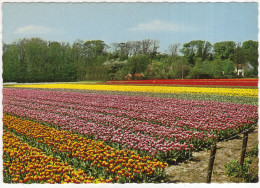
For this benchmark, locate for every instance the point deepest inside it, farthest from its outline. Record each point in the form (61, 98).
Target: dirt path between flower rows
(195, 171)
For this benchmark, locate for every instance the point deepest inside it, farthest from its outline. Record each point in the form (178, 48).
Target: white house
(240, 68)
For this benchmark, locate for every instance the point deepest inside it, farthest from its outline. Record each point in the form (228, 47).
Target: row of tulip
(184, 96)
(126, 138)
(191, 82)
(25, 164)
(97, 158)
(178, 124)
(153, 89)
(168, 112)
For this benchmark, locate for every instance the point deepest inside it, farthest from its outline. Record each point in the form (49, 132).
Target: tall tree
(138, 63)
(136, 47)
(93, 48)
(149, 47)
(173, 49)
(123, 50)
(181, 67)
(22, 67)
(224, 50)
(11, 63)
(250, 49)
(238, 57)
(93, 54)
(36, 53)
(196, 49)
(78, 59)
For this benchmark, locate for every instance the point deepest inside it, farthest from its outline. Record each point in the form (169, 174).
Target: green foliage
(138, 63)
(251, 73)
(200, 70)
(215, 69)
(234, 170)
(11, 63)
(94, 48)
(238, 57)
(250, 50)
(36, 60)
(180, 68)
(253, 152)
(115, 69)
(224, 50)
(157, 70)
(228, 68)
(212, 69)
(197, 49)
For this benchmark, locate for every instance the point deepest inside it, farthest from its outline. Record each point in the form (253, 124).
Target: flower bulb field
(117, 133)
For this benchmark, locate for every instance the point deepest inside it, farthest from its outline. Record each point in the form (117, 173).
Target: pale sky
(120, 22)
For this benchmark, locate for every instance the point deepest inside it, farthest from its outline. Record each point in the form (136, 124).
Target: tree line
(37, 60)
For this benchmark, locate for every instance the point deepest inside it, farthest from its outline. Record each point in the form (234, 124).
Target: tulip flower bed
(152, 89)
(190, 82)
(25, 164)
(184, 96)
(163, 128)
(92, 156)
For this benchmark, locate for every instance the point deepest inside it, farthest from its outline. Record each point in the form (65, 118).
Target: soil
(195, 169)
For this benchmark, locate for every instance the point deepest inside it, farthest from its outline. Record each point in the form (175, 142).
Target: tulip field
(98, 133)
(192, 82)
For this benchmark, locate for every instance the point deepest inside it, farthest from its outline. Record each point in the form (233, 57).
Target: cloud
(160, 26)
(34, 29)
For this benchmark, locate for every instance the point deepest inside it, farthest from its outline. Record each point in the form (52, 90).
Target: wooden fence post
(244, 145)
(211, 162)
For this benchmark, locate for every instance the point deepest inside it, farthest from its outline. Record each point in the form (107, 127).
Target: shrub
(253, 152)
(234, 170)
